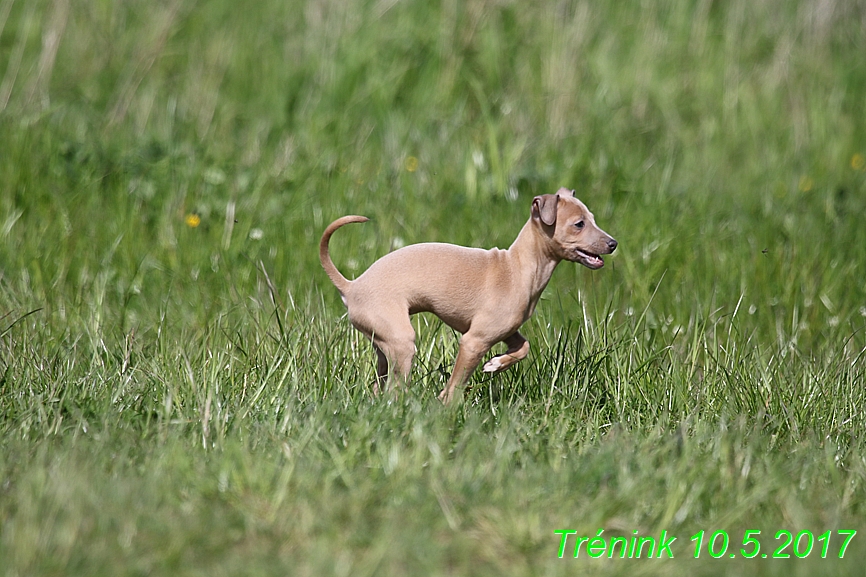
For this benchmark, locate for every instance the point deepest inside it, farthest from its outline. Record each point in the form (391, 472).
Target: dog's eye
(579, 224)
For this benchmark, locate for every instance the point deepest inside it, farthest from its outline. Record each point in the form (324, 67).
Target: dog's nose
(612, 244)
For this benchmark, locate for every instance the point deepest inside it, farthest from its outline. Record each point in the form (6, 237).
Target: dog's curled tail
(341, 282)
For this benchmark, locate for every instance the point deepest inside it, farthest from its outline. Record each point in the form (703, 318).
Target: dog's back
(448, 280)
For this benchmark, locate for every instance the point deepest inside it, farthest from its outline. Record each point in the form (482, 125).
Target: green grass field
(181, 393)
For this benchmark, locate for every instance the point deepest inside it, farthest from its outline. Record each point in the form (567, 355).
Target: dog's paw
(494, 365)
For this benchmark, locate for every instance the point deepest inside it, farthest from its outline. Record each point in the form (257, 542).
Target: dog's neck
(532, 250)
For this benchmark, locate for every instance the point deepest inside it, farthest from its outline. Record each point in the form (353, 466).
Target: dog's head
(571, 229)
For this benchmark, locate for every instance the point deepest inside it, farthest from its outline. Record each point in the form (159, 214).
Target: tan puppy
(484, 294)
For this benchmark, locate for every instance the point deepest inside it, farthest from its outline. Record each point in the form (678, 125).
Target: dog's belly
(456, 319)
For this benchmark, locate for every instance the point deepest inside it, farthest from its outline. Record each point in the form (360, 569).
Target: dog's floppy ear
(544, 208)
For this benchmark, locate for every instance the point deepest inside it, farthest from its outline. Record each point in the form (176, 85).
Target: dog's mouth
(588, 259)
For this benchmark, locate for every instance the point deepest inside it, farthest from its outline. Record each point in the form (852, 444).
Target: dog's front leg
(518, 348)
(472, 350)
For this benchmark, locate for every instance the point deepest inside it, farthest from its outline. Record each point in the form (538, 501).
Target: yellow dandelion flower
(411, 164)
(806, 183)
(858, 162)
(192, 220)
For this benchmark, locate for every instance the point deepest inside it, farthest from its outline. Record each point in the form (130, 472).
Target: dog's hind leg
(381, 371)
(395, 349)
(393, 337)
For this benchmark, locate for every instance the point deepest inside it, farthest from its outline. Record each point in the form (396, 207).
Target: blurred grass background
(179, 393)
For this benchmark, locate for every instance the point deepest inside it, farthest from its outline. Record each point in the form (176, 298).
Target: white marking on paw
(494, 365)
